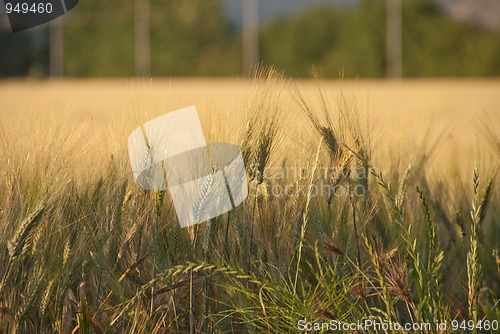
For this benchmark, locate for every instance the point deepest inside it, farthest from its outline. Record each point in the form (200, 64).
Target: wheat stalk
(474, 270)
(305, 217)
(18, 241)
(199, 204)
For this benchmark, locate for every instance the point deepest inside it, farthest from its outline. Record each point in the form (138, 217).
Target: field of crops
(370, 201)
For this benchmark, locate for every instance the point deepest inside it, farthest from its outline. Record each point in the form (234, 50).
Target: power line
(56, 49)
(250, 29)
(142, 38)
(394, 49)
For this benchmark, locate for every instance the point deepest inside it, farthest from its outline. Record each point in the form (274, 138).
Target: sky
(275, 8)
(484, 13)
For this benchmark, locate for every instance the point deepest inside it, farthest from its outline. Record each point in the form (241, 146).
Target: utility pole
(250, 22)
(56, 48)
(142, 38)
(393, 39)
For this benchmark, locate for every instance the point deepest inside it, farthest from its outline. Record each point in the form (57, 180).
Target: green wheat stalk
(474, 270)
(305, 217)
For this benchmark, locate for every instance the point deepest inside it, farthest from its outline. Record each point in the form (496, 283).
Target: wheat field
(369, 201)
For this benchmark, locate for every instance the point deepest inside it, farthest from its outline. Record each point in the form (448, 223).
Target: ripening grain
(394, 216)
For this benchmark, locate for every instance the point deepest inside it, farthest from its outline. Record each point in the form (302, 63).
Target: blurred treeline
(196, 38)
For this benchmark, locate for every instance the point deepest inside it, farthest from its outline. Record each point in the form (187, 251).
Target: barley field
(369, 201)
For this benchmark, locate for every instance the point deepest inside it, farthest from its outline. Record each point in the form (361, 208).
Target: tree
(354, 40)
(187, 38)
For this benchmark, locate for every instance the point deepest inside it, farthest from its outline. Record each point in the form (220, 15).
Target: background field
(104, 112)
(80, 245)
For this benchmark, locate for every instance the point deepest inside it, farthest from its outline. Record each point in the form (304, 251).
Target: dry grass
(82, 247)
(107, 110)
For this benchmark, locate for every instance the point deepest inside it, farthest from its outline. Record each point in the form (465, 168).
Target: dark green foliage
(353, 42)
(195, 38)
(187, 38)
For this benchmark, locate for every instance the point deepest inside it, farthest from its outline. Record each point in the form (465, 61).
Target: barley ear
(18, 241)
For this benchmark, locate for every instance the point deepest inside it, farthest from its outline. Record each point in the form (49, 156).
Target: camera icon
(26, 14)
(170, 152)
